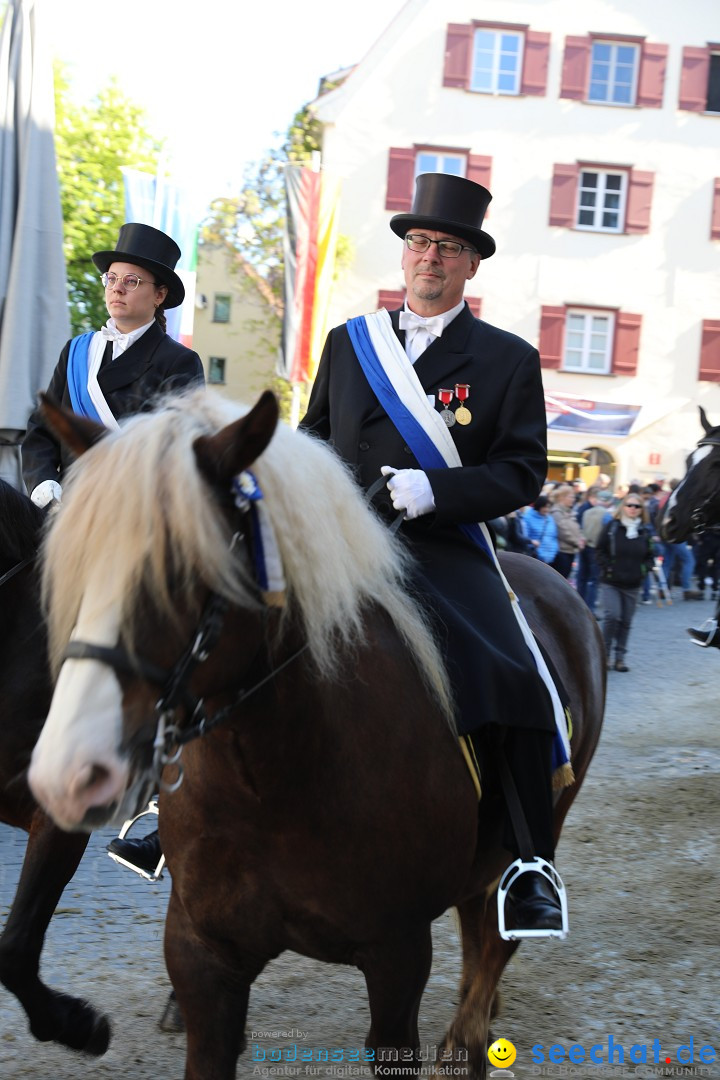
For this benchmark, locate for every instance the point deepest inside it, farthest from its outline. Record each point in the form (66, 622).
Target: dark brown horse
(323, 804)
(52, 856)
(695, 504)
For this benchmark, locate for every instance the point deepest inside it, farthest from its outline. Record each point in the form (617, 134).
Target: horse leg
(485, 955)
(51, 858)
(395, 974)
(212, 997)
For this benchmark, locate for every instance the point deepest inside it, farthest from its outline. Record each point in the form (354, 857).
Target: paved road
(641, 859)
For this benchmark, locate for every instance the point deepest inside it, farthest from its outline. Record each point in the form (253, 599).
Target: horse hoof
(171, 1020)
(99, 1039)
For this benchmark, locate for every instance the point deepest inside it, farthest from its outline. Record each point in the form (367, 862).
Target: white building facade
(596, 126)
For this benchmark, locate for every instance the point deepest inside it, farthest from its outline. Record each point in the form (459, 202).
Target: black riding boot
(144, 853)
(532, 902)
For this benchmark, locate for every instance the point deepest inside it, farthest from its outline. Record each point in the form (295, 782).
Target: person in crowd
(597, 514)
(117, 370)
(475, 397)
(541, 529)
(624, 553)
(570, 537)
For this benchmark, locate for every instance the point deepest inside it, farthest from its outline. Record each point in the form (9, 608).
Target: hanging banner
(312, 201)
(566, 412)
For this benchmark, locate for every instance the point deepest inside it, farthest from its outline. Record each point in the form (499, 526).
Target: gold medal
(463, 415)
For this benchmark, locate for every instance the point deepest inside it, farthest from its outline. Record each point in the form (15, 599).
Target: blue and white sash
(399, 391)
(86, 397)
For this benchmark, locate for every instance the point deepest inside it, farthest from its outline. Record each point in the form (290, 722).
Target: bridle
(10, 574)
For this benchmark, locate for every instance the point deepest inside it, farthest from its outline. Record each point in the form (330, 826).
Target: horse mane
(137, 505)
(20, 525)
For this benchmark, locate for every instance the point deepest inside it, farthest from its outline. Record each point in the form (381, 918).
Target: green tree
(93, 142)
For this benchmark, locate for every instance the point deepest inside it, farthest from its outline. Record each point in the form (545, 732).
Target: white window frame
(496, 71)
(587, 346)
(611, 82)
(603, 195)
(439, 162)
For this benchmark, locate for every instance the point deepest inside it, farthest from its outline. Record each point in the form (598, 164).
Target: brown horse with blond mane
(321, 804)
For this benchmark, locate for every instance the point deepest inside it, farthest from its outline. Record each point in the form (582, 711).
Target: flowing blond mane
(136, 504)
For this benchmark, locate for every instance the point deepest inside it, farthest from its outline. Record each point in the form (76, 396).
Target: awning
(566, 457)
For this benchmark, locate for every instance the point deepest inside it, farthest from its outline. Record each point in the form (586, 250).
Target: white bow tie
(111, 334)
(410, 321)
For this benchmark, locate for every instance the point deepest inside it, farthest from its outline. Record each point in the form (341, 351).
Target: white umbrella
(34, 321)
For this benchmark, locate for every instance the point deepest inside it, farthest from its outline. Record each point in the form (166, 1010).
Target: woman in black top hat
(119, 369)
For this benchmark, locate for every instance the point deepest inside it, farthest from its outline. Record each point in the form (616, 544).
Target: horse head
(121, 664)
(694, 505)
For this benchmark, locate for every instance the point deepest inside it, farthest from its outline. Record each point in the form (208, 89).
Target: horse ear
(707, 426)
(223, 456)
(77, 433)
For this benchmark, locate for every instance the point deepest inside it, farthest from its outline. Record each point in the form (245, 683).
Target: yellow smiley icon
(502, 1053)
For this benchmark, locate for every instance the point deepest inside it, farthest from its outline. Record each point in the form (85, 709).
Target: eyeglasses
(633, 506)
(449, 249)
(128, 281)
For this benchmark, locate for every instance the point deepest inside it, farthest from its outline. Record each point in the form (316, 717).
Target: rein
(16, 569)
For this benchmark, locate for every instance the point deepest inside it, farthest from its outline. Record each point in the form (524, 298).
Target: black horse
(52, 856)
(694, 505)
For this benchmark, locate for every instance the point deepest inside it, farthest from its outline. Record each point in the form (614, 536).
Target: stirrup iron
(536, 865)
(152, 808)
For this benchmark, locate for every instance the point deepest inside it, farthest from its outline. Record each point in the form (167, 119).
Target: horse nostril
(90, 777)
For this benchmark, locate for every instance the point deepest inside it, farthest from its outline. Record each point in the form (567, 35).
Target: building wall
(247, 342)
(670, 275)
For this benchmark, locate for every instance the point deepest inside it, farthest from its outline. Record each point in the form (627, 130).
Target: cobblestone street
(640, 859)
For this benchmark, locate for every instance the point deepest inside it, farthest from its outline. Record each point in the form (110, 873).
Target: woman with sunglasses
(119, 369)
(624, 554)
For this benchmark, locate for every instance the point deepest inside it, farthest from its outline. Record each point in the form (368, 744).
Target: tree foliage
(92, 143)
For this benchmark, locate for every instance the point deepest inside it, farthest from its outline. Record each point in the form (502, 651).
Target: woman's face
(131, 308)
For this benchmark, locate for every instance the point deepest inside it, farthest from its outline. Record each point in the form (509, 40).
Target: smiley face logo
(502, 1053)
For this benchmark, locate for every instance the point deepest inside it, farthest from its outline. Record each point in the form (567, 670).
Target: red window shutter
(576, 64)
(563, 196)
(627, 343)
(535, 63)
(715, 224)
(401, 172)
(639, 201)
(475, 305)
(710, 351)
(652, 76)
(552, 336)
(391, 299)
(458, 48)
(694, 79)
(479, 169)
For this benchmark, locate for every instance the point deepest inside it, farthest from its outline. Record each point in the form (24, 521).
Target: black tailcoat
(504, 464)
(153, 364)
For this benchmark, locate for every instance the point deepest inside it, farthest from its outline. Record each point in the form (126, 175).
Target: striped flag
(310, 245)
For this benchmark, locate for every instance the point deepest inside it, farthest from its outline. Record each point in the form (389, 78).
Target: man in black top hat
(485, 383)
(120, 368)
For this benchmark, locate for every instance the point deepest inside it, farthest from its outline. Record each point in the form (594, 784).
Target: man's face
(436, 284)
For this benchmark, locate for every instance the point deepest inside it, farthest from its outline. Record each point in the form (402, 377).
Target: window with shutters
(613, 73)
(588, 341)
(713, 93)
(601, 200)
(437, 161)
(700, 79)
(496, 62)
(496, 58)
(405, 163)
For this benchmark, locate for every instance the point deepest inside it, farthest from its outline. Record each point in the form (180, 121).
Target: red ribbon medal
(446, 397)
(462, 393)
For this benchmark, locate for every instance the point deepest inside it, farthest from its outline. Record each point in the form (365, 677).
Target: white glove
(45, 493)
(410, 490)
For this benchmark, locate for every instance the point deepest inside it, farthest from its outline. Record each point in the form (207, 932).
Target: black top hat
(152, 249)
(449, 204)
